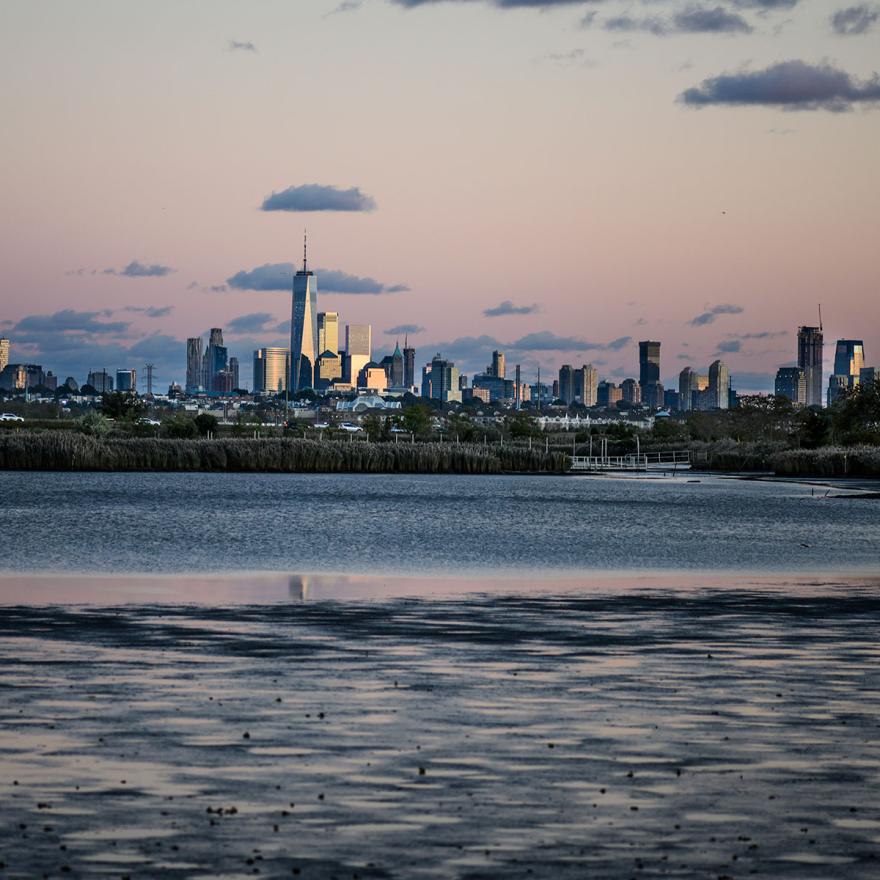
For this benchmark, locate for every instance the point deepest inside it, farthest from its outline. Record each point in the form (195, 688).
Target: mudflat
(590, 732)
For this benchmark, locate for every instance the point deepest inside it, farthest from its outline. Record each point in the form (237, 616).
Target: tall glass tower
(810, 346)
(304, 327)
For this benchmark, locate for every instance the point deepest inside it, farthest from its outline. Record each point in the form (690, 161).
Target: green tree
(856, 417)
(179, 427)
(95, 425)
(417, 419)
(205, 424)
(123, 406)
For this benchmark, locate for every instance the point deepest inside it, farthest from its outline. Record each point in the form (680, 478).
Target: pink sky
(513, 154)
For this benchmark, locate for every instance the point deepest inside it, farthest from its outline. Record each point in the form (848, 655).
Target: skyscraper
(566, 384)
(193, 364)
(358, 349)
(304, 327)
(444, 380)
(409, 364)
(126, 380)
(271, 369)
(4, 353)
(719, 385)
(849, 358)
(810, 344)
(328, 332)
(395, 374)
(498, 367)
(214, 362)
(232, 369)
(585, 385)
(649, 363)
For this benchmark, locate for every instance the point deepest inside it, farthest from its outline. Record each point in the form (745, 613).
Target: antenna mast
(305, 250)
(820, 317)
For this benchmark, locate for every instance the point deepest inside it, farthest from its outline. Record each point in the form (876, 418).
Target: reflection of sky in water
(567, 734)
(425, 524)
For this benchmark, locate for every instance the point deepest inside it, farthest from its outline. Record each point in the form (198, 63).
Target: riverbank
(77, 452)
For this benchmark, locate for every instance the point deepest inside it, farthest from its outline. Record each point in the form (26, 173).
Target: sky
(558, 179)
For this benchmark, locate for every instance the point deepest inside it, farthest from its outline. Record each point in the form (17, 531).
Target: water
(121, 522)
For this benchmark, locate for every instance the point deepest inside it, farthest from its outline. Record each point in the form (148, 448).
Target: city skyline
(183, 183)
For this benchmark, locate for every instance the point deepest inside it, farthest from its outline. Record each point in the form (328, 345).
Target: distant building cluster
(803, 384)
(321, 360)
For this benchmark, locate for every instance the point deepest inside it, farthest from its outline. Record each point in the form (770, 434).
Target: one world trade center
(304, 327)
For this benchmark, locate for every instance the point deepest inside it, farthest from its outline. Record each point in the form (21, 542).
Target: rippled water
(701, 735)
(371, 523)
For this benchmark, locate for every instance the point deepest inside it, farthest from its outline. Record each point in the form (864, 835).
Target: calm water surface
(106, 522)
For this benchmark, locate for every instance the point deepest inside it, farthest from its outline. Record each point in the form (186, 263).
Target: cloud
(345, 6)
(252, 323)
(544, 340)
(315, 197)
(150, 311)
(712, 312)
(571, 58)
(136, 269)
(508, 308)
(498, 4)
(855, 20)
(404, 328)
(278, 276)
(789, 85)
(729, 346)
(235, 45)
(692, 20)
(69, 320)
(764, 334)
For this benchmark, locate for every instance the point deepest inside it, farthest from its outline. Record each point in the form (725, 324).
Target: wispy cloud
(150, 311)
(712, 312)
(241, 46)
(316, 197)
(255, 322)
(401, 329)
(136, 269)
(855, 20)
(508, 308)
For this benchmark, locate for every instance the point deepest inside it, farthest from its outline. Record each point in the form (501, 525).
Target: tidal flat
(585, 732)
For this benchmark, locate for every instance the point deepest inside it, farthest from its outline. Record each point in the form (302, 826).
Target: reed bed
(829, 461)
(76, 452)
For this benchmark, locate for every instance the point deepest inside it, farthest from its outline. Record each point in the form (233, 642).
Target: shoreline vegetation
(69, 451)
(59, 451)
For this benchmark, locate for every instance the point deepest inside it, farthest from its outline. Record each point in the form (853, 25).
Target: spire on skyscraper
(305, 250)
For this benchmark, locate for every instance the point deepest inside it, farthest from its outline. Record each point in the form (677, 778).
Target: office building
(690, 386)
(671, 400)
(867, 376)
(409, 364)
(719, 385)
(329, 370)
(566, 384)
(395, 368)
(792, 384)
(4, 353)
(649, 363)
(126, 380)
(608, 394)
(303, 327)
(101, 381)
(585, 385)
(498, 368)
(232, 369)
(271, 369)
(631, 391)
(444, 380)
(358, 350)
(810, 345)
(214, 362)
(849, 358)
(328, 332)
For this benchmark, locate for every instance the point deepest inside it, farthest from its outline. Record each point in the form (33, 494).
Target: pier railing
(643, 462)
